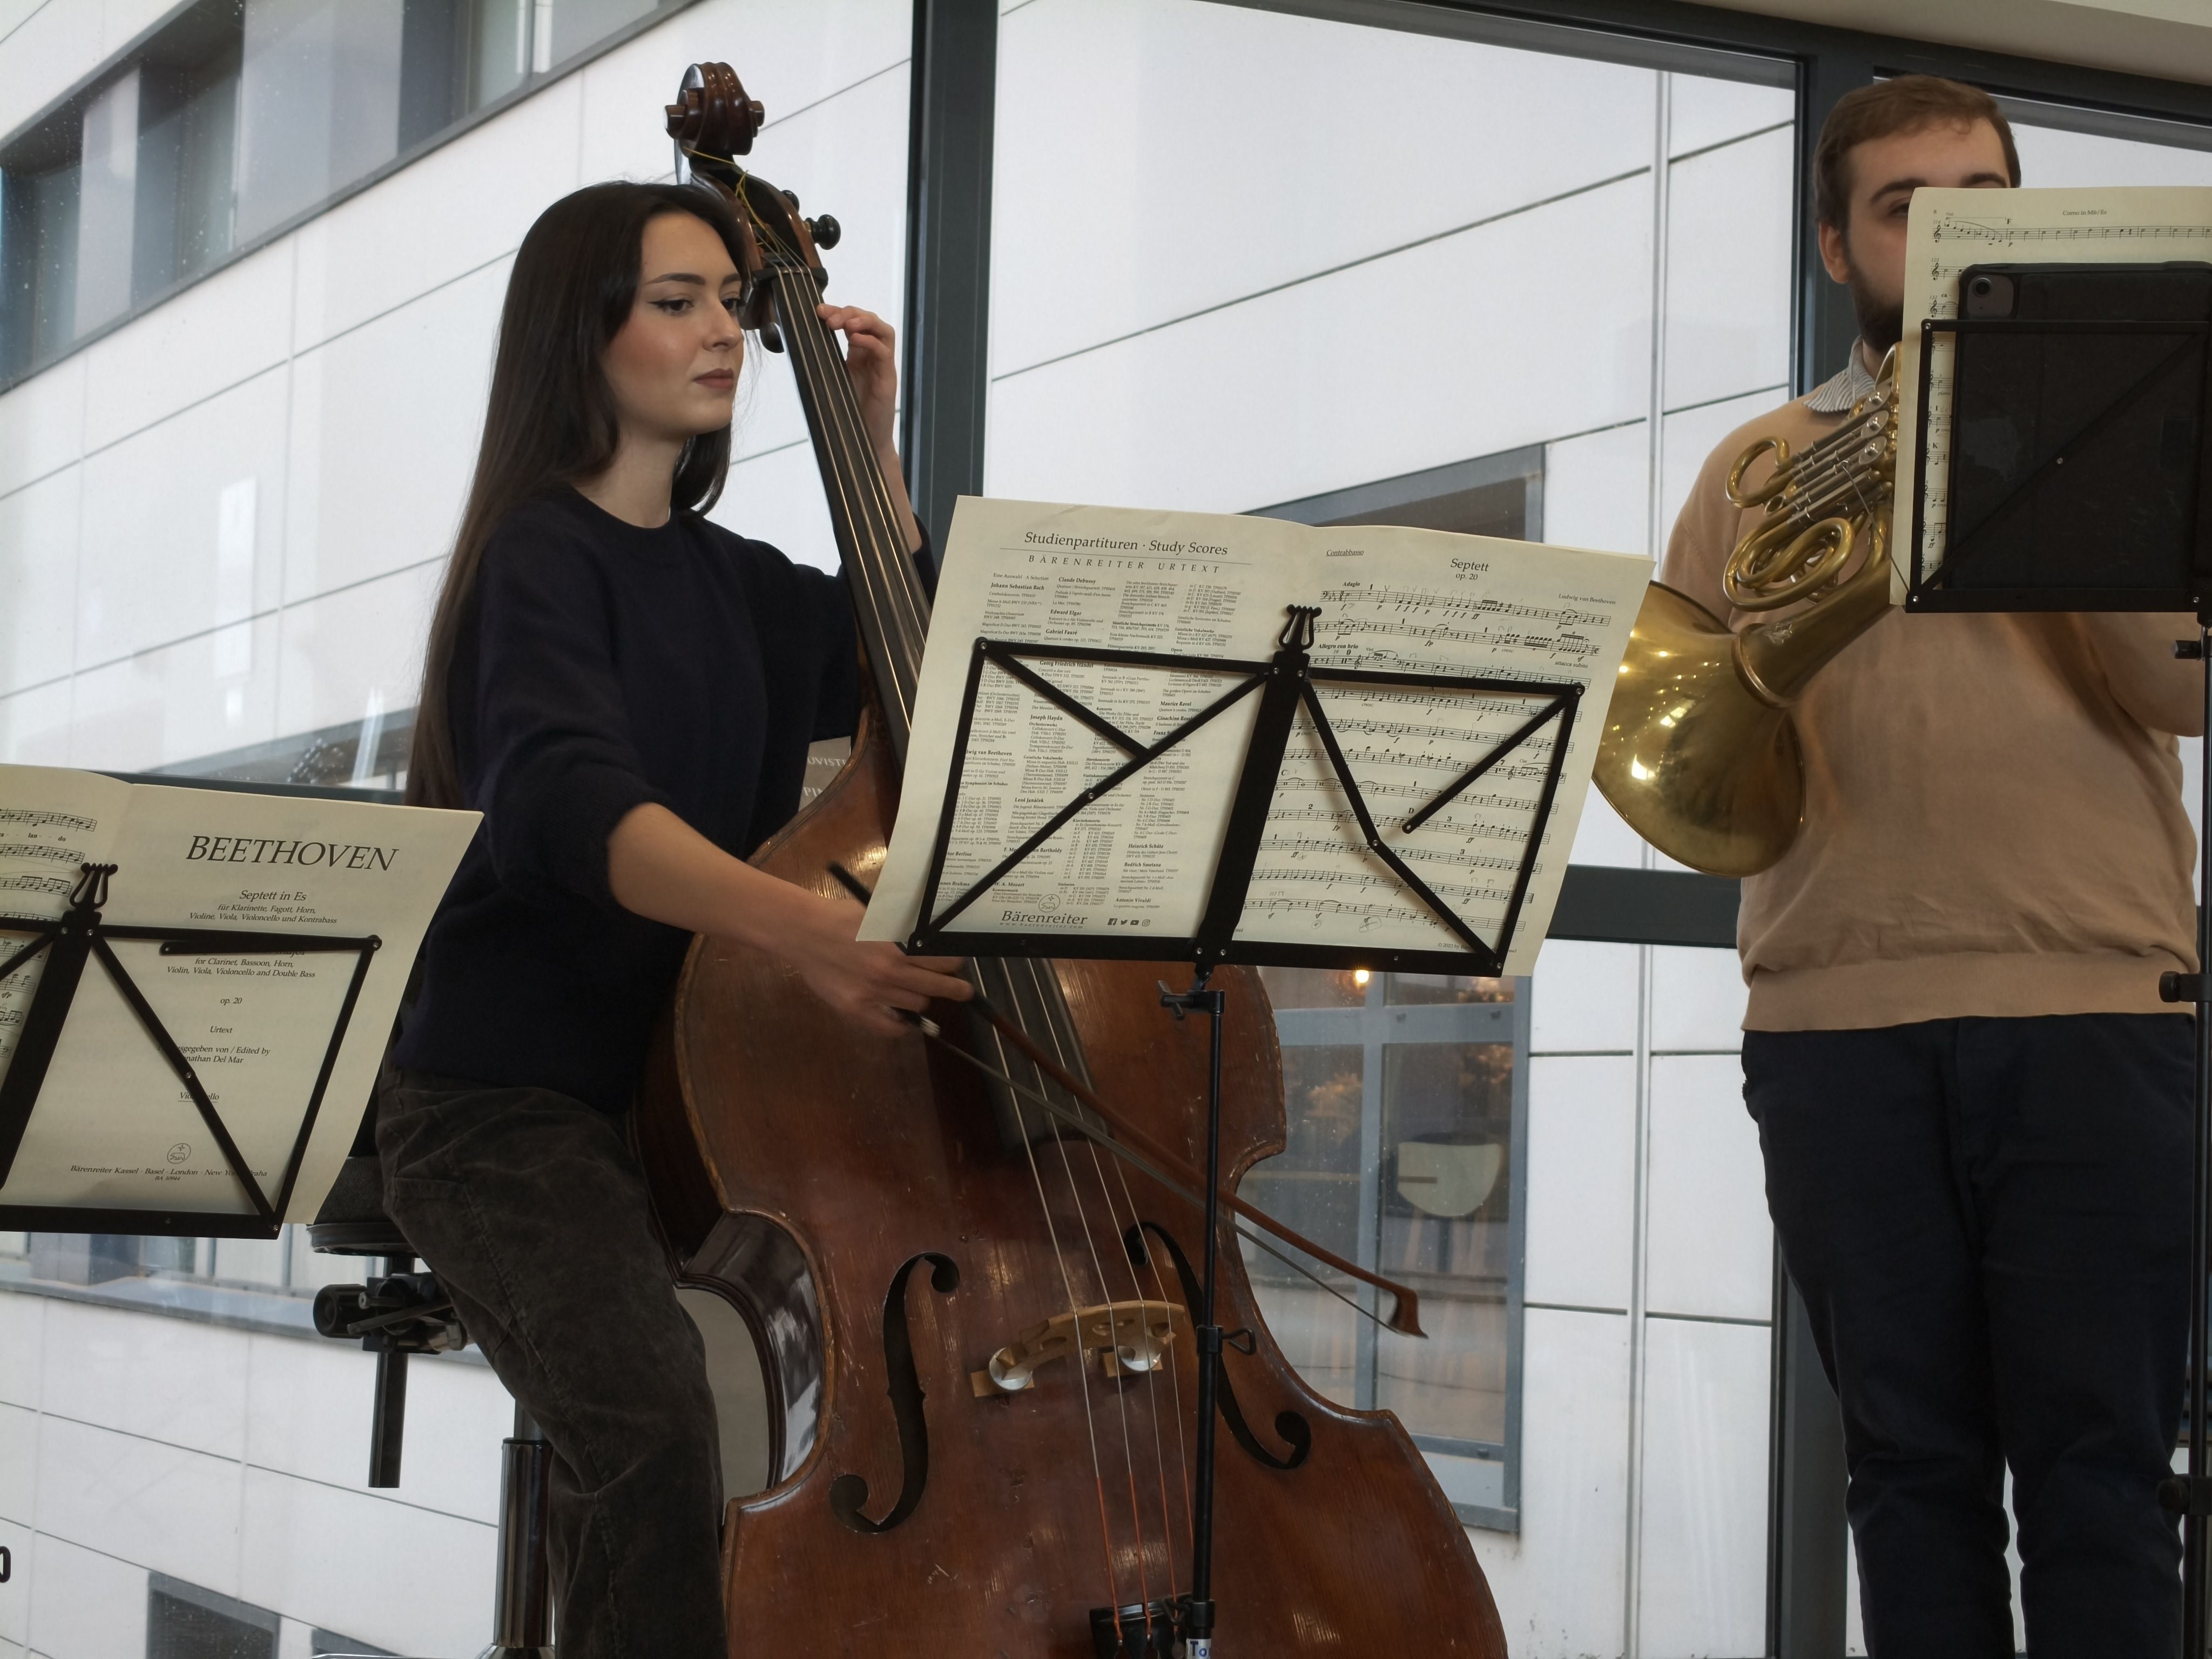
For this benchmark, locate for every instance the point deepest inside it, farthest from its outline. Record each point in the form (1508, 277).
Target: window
(234, 119)
(1475, 287)
(1406, 1096)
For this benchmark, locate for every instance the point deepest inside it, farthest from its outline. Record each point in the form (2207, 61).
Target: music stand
(1286, 684)
(2080, 442)
(69, 945)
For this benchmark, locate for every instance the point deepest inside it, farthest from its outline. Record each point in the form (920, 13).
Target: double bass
(967, 1261)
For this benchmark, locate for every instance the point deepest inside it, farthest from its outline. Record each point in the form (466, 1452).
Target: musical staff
(1142, 855)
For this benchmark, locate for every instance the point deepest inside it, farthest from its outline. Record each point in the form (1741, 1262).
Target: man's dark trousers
(1989, 1221)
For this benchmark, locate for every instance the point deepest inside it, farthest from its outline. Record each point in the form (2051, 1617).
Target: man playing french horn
(1974, 1109)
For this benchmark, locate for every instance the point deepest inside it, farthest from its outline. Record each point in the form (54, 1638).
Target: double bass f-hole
(848, 1491)
(1296, 1431)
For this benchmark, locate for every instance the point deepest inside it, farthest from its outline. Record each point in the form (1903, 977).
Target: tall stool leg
(522, 1602)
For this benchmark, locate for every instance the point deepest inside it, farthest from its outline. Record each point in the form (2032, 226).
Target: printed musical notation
(1140, 859)
(1952, 230)
(112, 1128)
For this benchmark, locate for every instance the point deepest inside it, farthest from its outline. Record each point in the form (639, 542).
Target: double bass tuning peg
(824, 230)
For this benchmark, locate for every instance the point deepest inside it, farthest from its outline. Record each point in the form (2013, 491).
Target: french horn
(1699, 753)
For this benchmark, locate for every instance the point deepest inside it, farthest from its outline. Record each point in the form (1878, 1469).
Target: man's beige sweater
(1993, 817)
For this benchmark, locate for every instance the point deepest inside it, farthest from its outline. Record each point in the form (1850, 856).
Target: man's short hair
(1888, 107)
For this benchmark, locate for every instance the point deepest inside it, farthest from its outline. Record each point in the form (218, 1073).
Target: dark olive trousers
(1989, 1221)
(531, 1210)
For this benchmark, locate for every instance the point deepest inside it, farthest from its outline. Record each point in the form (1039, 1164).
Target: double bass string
(1175, 1380)
(1120, 1395)
(888, 596)
(1152, 1377)
(1090, 1427)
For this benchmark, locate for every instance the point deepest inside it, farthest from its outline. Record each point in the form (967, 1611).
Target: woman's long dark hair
(551, 420)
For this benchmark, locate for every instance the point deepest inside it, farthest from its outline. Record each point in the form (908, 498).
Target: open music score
(1952, 230)
(231, 976)
(1075, 595)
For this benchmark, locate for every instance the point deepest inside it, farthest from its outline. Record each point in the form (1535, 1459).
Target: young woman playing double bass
(626, 691)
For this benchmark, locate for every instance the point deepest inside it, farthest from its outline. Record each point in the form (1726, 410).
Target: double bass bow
(964, 1254)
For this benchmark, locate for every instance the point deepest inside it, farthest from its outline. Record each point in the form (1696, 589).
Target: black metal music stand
(2080, 457)
(79, 937)
(1286, 684)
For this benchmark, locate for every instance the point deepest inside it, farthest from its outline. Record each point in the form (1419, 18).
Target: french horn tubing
(1699, 753)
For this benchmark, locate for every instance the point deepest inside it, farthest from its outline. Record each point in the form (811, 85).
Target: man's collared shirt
(1836, 396)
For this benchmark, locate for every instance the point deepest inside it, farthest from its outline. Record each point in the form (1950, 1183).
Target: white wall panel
(385, 422)
(308, 1416)
(170, 1380)
(38, 579)
(1584, 999)
(458, 209)
(845, 157)
(23, 1348)
(1704, 112)
(183, 524)
(161, 1506)
(15, 1606)
(342, 649)
(1582, 1180)
(289, 1531)
(214, 335)
(1704, 1565)
(1729, 250)
(791, 54)
(84, 1605)
(1710, 1246)
(1698, 997)
(199, 696)
(1597, 489)
(1407, 136)
(19, 1464)
(777, 498)
(34, 726)
(1559, 1583)
(1688, 438)
(1602, 836)
(1247, 405)
(42, 423)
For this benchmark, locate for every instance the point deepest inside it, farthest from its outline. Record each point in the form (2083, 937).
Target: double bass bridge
(1129, 1337)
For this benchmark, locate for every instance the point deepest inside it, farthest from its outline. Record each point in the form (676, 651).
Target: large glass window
(235, 118)
(1404, 1104)
(1245, 260)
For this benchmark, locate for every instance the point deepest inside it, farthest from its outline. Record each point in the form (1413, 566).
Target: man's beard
(1881, 323)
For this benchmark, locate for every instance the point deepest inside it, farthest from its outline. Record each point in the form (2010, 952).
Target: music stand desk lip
(1142, 947)
(1926, 593)
(930, 934)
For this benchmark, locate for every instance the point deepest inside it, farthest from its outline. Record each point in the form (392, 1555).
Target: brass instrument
(1699, 754)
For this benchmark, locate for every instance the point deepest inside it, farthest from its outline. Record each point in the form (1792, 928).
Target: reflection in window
(234, 118)
(1399, 1107)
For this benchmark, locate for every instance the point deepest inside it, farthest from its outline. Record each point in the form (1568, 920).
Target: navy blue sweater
(603, 666)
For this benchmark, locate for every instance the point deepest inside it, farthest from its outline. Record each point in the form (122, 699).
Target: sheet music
(1141, 859)
(114, 1126)
(73, 820)
(1952, 230)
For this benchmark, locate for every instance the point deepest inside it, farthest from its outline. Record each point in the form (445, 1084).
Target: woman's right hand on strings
(864, 980)
(658, 866)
